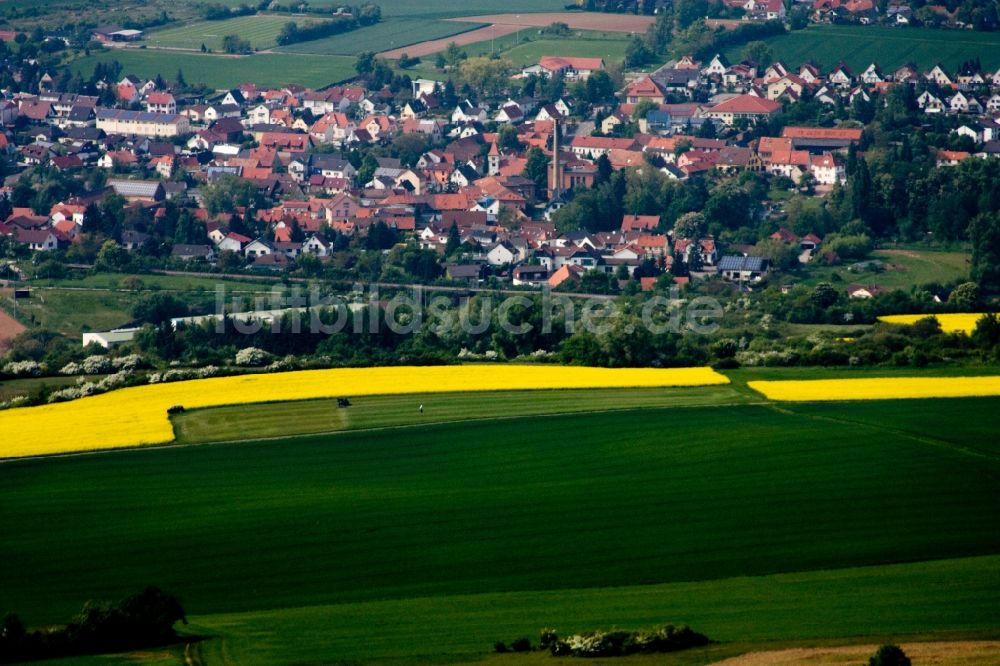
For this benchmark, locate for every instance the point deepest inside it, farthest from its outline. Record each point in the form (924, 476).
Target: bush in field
(23, 369)
(96, 365)
(252, 357)
(889, 655)
(621, 643)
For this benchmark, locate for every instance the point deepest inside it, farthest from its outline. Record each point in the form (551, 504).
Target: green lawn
(260, 31)
(609, 46)
(219, 71)
(642, 497)
(102, 301)
(902, 269)
(859, 46)
(72, 312)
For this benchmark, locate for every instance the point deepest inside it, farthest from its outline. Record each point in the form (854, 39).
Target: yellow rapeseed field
(137, 416)
(877, 388)
(962, 322)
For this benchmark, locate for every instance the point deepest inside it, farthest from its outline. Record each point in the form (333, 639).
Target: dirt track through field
(499, 25)
(9, 328)
(945, 653)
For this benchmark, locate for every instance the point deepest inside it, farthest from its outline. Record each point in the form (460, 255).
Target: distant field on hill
(610, 48)
(524, 48)
(260, 31)
(901, 269)
(582, 500)
(388, 34)
(859, 46)
(218, 71)
(448, 9)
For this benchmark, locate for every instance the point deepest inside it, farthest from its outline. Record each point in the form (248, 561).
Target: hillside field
(429, 541)
(387, 34)
(448, 9)
(222, 71)
(859, 46)
(260, 31)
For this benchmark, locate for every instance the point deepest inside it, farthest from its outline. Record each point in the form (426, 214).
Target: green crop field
(610, 47)
(388, 34)
(859, 46)
(260, 31)
(220, 71)
(527, 46)
(448, 9)
(426, 542)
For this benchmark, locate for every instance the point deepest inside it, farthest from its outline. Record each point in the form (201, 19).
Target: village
(479, 181)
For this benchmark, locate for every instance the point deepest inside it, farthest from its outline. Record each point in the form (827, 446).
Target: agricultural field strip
(902, 432)
(260, 31)
(950, 323)
(877, 388)
(781, 602)
(137, 416)
(392, 34)
(415, 487)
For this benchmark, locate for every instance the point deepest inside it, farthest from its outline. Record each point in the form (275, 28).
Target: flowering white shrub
(23, 369)
(252, 357)
(14, 402)
(96, 365)
(130, 362)
(71, 368)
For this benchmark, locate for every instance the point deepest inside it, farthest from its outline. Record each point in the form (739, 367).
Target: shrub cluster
(667, 638)
(139, 621)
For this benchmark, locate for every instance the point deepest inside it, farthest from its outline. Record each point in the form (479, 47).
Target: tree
(600, 87)
(364, 64)
(507, 138)
(965, 297)
(179, 79)
(490, 77)
(984, 232)
(112, 257)
(642, 108)
(781, 255)
(227, 193)
(454, 240)
(537, 168)
(453, 54)
(367, 169)
(889, 655)
(636, 53)
(158, 307)
(409, 147)
(690, 226)
(234, 44)
(687, 12)
(759, 52)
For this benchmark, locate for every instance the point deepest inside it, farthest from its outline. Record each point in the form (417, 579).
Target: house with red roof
(640, 222)
(570, 68)
(747, 108)
(161, 102)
